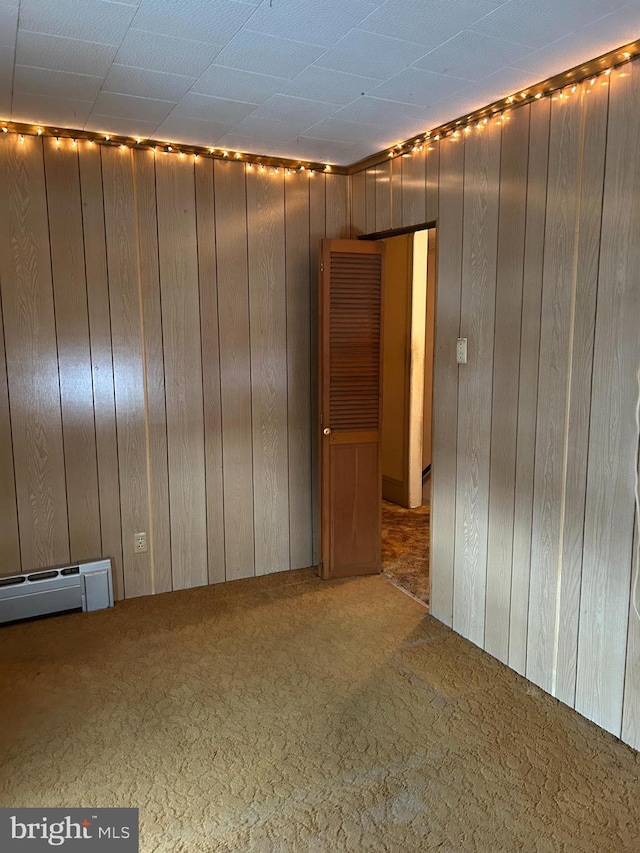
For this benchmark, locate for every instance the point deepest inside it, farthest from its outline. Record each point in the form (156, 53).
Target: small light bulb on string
(249, 167)
(58, 143)
(169, 148)
(237, 155)
(5, 130)
(107, 137)
(212, 151)
(90, 143)
(538, 95)
(225, 153)
(262, 168)
(74, 143)
(182, 155)
(21, 139)
(327, 168)
(123, 147)
(195, 158)
(138, 141)
(39, 131)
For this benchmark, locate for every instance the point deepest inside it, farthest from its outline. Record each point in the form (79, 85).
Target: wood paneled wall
(157, 362)
(534, 439)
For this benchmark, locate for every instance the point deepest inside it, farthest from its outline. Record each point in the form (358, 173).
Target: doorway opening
(408, 313)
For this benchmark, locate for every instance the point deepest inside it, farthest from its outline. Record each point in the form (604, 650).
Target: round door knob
(327, 431)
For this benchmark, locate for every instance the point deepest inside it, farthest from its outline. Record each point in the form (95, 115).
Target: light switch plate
(461, 351)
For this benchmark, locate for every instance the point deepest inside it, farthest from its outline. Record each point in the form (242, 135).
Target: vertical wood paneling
(32, 366)
(205, 207)
(613, 440)
(445, 382)
(337, 201)
(128, 365)
(9, 537)
(383, 196)
(631, 707)
(558, 300)
(95, 261)
(318, 229)
(156, 413)
(528, 385)
(504, 417)
(300, 424)
(370, 200)
(589, 221)
(479, 250)
(178, 256)
(413, 188)
(358, 204)
(74, 353)
(395, 188)
(235, 368)
(432, 181)
(268, 317)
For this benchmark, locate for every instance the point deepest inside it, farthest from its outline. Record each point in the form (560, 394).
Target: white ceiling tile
(238, 85)
(339, 130)
(378, 111)
(427, 23)
(7, 58)
(213, 21)
(41, 109)
(63, 54)
(206, 108)
(423, 88)
(116, 126)
(147, 84)
(270, 55)
(191, 131)
(8, 25)
(269, 130)
(157, 52)
(334, 87)
(472, 56)
(128, 106)
(90, 20)
(62, 84)
(313, 23)
(537, 24)
(370, 55)
(598, 37)
(323, 150)
(286, 108)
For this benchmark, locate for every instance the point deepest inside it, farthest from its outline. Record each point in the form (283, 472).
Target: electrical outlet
(139, 543)
(461, 351)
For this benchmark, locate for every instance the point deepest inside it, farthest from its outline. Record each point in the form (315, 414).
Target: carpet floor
(405, 547)
(285, 714)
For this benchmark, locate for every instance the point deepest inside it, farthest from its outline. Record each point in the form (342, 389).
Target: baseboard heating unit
(83, 586)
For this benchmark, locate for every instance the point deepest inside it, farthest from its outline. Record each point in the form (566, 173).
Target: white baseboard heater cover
(86, 586)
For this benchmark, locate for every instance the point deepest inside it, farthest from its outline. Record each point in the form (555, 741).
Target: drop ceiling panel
(422, 88)
(238, 85)
(40, 109)
(147, 84)
(286, 108)
(8, 25)
(270, 55)
(428, 23)
(589, 40)
(44, 81)
(472, 56)
(195, 132)
(121, 126)
(142, 49)
(214, 21)
(333, 87)
(323, 79)
(313, 23)
(544, 21)
(88, 20)
(206, 108)
(63, 54)
(128, 106)
(370, 55)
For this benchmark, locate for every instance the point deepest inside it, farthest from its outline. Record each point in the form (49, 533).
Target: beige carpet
(405, 547)
(289, 714)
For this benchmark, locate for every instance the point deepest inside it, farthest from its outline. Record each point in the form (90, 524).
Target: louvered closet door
(350, 337)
